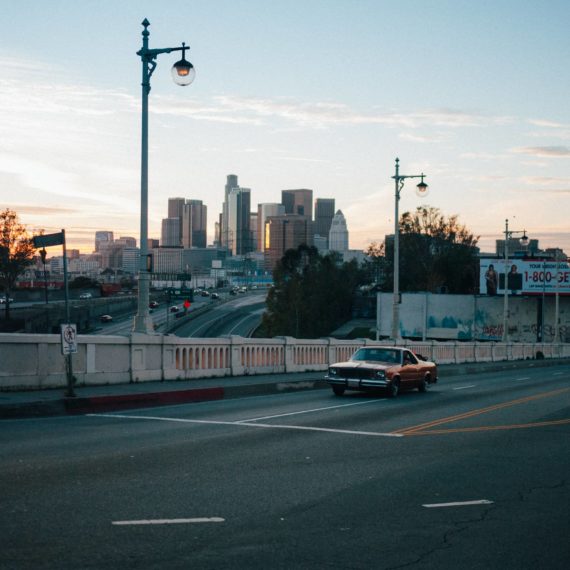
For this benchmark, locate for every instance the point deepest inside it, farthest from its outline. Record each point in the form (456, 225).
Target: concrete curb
(130, 401)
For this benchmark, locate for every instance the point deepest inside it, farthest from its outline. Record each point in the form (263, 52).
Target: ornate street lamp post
(183, 74)
(422, 188)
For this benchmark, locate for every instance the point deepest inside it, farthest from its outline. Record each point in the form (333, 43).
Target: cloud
(544, 151)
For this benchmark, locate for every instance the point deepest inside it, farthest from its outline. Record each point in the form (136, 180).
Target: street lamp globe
(422, 188)
(183, 72)
(524, 240)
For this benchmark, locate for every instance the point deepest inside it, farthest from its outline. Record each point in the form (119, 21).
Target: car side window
(409, 358)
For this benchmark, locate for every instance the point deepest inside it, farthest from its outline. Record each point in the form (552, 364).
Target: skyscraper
(338, 235)
(103, 239)
(264, 211)
(284, 232)
(170, 235)
(299, 202)
(324, 213)
(231, 183)
(194, 222)
(238, 210)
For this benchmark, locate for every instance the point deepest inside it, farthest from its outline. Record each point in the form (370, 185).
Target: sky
(319, 94)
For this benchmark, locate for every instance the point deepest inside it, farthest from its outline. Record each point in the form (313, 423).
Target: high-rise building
(103, 239)
(170, 235)
(126, 241)
(194, 221)
(264, 211)
(285, 232)
(231, 183)
(338, 235)
(324, 213)
(299, 202)
(239, 234)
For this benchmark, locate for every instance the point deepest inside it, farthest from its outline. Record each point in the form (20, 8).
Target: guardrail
(35, 361)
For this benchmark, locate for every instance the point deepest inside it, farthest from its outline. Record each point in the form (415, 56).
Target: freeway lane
(304, 480)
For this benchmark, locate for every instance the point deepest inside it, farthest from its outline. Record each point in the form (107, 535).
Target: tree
(16, 252)
(312, 294)
(435, 252)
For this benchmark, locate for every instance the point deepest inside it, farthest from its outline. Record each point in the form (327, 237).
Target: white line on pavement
(523, 378)
(307, 411)
(170, 521)
(459, 504)
(256, 425)
(559, 374)
(465, 387)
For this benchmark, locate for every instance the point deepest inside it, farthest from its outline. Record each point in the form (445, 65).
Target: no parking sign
(68, 339)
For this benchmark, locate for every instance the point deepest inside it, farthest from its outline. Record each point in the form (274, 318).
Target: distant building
(231, 183)
(265, 211)
(298, 202)
(194, 222)
(126, 241)
(170, 234)
(103, 239)
(239, 232)
(131, 257)
(285, 232)
(324, 214)
(338, 235)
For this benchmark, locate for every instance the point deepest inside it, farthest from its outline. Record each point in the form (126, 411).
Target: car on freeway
(153, 305)
(86, 296)
(105, 318)
(215, 296)
(391, 369)
(3, 300)
(174, 309)
(205, 293)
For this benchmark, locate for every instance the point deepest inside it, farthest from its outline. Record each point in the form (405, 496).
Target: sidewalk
(93, 399)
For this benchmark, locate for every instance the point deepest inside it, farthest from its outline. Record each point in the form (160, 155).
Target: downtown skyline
(320, 95)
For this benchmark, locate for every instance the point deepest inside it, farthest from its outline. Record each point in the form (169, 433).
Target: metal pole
(69, 363)
(396, 298)
(506, 289)
(143, 322)
(556, 337)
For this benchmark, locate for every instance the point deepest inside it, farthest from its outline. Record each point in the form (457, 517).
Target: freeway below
(472, 474)
(238, 315)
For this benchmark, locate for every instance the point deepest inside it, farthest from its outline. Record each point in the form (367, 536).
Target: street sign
(68, 339)
(186, 304)
(48, 240)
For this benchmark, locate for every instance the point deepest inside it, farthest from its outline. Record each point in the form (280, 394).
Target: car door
(411, 370)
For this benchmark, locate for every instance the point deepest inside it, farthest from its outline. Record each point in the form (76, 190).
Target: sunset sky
(320, 94)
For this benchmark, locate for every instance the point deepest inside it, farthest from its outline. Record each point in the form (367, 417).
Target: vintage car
(382, 368)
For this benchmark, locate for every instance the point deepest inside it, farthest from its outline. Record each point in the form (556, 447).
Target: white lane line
(256, 425)
(308, 411)
(523, 378)
(559, 374)
(459, 504)
(465, 387)
(170, 521)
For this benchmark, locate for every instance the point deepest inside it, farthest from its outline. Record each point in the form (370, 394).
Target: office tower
(324, 213)
(299, 202)
(170, 235)
(194, 222)
(253, 240)
(103, 239)
(284, 232)
(126, 241)
(176, 210)
(264, 211)
(338, 235)
(238, 234)
(231, 183)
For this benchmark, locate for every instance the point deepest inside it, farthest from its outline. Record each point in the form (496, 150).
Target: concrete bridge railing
(35, 361)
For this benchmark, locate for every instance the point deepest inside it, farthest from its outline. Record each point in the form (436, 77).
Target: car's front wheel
(338, 390)
(394, 388)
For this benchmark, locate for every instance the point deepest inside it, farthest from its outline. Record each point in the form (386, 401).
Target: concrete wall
(468, 317)
(35, 361)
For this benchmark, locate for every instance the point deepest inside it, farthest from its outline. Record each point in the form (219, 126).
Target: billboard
(524, 277)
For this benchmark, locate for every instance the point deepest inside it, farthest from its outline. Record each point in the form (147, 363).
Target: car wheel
(394, 389)
(424, 386)
(338, 390)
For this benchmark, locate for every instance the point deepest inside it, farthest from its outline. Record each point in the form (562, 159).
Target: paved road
(473, 474)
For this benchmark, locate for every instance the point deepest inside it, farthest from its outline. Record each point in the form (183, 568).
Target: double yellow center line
(421, 429)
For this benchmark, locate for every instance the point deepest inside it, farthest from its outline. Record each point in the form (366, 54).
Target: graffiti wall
(479, 317)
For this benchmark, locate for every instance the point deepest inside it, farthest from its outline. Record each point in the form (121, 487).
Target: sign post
(70, 334)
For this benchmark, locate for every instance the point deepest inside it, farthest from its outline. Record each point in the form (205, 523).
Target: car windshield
(378, 355)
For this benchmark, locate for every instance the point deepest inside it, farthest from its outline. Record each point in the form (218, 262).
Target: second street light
(183, 74)
(422, 190)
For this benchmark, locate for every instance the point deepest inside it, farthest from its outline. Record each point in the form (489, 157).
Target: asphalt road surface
(473, 474)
